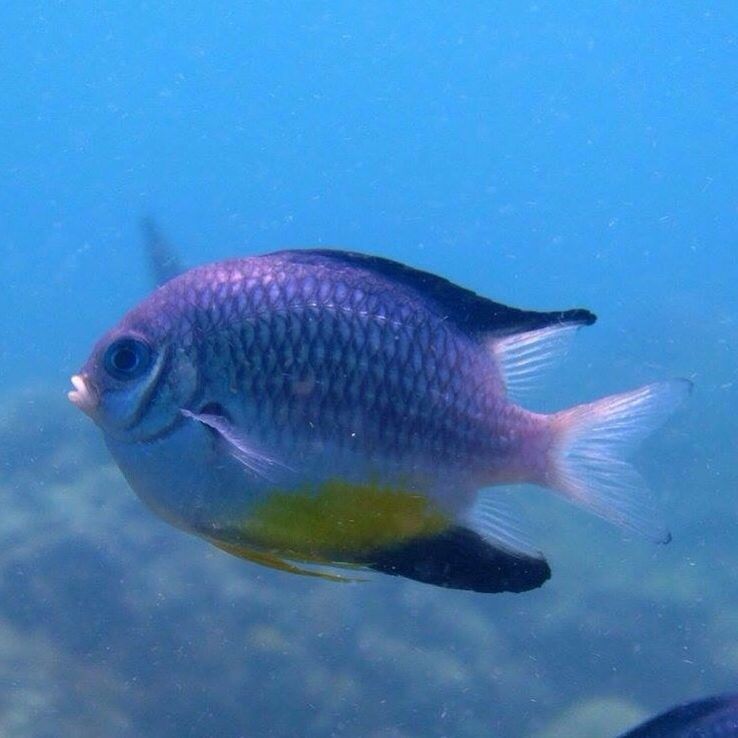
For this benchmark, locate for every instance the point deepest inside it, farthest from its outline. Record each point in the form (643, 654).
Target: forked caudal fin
(591, 443)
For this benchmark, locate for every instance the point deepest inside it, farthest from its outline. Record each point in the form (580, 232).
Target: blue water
(547, 155)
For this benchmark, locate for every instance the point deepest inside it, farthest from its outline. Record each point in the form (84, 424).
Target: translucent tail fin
(591, 444)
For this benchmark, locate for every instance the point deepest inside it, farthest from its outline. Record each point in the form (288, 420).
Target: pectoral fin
(241, 448)
(459, 558)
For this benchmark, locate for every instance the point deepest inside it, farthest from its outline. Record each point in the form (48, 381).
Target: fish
(713, 717)
(321, 411)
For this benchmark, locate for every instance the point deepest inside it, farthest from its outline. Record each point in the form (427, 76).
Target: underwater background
(546, 155)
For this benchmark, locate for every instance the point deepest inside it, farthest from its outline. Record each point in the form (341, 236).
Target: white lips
(81, 395)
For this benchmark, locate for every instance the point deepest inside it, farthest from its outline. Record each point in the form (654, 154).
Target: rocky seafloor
(114, 624)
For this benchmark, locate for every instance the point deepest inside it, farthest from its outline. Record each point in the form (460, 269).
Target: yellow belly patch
(338, 522)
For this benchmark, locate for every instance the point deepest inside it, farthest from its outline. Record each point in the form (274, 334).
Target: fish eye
(127, 358)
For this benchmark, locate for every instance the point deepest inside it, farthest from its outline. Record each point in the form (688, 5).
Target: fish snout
(83, 395)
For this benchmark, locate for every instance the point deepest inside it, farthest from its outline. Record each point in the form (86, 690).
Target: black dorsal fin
(163, 260)
(473, 313)
(459, 558)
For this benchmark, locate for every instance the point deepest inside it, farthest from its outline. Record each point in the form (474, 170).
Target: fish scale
(376, 342)
(346, 335)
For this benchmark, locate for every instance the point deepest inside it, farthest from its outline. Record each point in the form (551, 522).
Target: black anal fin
(459, 558)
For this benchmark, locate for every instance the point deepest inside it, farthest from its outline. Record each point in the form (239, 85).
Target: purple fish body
(329, 407)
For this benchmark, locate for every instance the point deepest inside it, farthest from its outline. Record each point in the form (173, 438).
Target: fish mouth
(83, 395)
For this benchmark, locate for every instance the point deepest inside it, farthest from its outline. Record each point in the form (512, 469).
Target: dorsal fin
(163, 260)
(474, 314)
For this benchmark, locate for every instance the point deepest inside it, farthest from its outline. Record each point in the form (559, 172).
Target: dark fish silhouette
(714, 717)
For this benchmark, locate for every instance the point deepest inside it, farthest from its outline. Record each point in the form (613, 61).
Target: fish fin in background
(714, 716)
(164, 262)
(472, 313)
(459, 558)
(523, 357)
(591, 442)
(240, 448)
